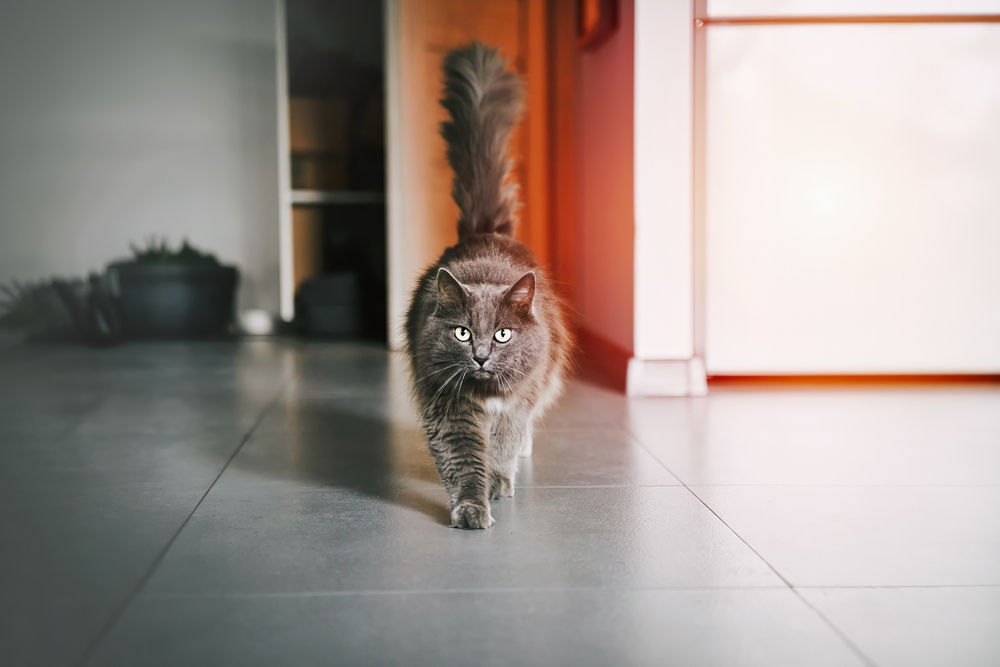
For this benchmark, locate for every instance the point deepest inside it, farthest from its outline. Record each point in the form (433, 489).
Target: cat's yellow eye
(502, 336)
(462, 334)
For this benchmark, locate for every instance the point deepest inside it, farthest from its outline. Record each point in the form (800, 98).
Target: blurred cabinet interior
(334, 185)
(356, 121)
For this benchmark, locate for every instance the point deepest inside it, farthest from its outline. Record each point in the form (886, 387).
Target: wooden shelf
(335, 197)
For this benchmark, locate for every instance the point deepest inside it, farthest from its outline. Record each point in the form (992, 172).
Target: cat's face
(484, 334)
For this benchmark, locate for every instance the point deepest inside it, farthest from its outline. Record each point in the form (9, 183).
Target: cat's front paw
(470, 515)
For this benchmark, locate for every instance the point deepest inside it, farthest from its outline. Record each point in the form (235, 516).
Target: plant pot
(174, 300)
(329, 306)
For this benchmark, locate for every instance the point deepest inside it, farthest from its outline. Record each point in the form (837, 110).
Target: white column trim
(286, 268)
(656, 377)
(664, 347)
(399, 280)
(663, 163)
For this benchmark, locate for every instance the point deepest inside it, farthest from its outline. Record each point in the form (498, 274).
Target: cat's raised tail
(484, 100)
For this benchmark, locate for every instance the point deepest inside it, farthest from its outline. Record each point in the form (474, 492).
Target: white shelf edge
(337, 197)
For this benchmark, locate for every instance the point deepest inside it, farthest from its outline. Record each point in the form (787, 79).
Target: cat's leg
(549, 395)
(459, 452)
(507, 440)
(527, 443)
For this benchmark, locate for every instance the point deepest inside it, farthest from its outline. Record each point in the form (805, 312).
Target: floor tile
(326, 540)
(72, 549)
(353, 370)
(590, 458)
(573, 628)
(585, 406)
(919, 435)
(50, 629)
(868, 536)
(254, 537)
(321, 415)
(103, 456)
(168, 456)
(337, 446)
(917, 627)
(332, 440)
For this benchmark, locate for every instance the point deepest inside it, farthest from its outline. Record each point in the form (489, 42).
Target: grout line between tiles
(596, 429)
(840, 633)
(854, 648)
(528, 589)
(902, 586)
(119, 611)
(454, 591)
(849, 486)
(637, 485)
(638, 442)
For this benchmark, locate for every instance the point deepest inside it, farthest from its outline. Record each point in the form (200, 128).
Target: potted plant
(165, 293)
(61, 309)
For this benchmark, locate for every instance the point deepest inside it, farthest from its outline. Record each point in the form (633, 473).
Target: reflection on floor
(271, 503)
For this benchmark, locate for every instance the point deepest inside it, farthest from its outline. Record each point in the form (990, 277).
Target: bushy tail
(484, 100)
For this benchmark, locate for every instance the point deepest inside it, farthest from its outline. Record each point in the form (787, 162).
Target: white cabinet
(853, 199)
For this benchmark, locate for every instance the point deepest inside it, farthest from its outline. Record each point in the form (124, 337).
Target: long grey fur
(486, 333)
(485, 101)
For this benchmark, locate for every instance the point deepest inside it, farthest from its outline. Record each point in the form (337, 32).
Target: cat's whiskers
(505, 382)
(435, 372)
(441, 388)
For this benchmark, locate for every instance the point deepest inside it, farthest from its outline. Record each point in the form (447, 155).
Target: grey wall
(125, 118)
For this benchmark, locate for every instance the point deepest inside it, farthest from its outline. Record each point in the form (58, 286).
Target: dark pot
(329, 306)
(165, 300)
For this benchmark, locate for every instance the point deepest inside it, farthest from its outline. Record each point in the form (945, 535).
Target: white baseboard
(656, 377)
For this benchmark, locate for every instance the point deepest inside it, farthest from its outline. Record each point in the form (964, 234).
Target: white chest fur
(496, 406)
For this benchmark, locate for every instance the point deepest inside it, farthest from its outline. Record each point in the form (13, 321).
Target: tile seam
(123, 606)
(851, 646)
(456, 591)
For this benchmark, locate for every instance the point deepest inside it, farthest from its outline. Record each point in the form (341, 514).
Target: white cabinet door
(736, 8)
(853, 199)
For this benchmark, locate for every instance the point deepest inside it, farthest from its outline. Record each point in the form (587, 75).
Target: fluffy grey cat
(486, 334)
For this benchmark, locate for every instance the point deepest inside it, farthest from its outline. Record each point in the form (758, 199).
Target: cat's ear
(451, 294)
(521, 293)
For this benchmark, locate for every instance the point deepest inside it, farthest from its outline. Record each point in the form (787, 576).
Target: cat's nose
(480, 360)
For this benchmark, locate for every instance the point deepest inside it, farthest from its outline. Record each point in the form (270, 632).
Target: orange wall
(604, 189)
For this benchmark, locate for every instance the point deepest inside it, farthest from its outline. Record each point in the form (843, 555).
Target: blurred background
(721, 187)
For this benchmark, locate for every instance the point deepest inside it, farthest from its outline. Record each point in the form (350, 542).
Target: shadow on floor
(347, 445)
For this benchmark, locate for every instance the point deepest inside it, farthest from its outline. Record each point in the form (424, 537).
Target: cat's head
(488, 332)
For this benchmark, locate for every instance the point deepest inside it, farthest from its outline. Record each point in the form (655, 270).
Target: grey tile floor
(271, 503)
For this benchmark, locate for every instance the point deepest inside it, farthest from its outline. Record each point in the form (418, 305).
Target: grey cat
(486, 334)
